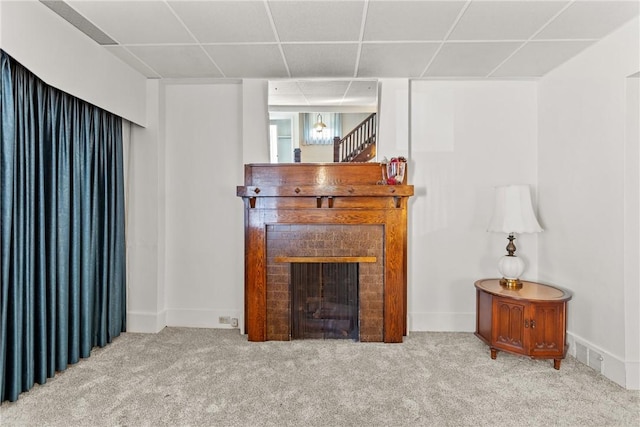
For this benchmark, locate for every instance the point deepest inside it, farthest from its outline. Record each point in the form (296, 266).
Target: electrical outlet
(234, 322)
(224, 320)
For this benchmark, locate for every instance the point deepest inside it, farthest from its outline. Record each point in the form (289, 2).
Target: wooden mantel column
(324, 194)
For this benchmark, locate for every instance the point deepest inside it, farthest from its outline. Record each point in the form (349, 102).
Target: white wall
(466, 138)
(204, 219)
(393, 118)
(583, 197)
(316, 153)
(65, 58)
(146, 218)
(632, 234)
(255, 122)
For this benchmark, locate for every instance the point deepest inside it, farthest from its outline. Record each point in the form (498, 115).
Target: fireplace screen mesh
(324, 300)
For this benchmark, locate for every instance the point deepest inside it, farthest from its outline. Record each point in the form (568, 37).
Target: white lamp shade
(513, 211)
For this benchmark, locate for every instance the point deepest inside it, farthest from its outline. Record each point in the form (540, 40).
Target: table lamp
(513, 213)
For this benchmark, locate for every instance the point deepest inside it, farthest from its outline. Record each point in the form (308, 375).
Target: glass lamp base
(511, 268)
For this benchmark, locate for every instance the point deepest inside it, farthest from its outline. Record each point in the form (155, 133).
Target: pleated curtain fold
(62, 242)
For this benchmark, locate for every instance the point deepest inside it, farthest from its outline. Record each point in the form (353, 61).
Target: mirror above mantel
(297, 105)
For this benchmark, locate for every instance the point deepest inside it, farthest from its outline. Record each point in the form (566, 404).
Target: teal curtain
(62, 247)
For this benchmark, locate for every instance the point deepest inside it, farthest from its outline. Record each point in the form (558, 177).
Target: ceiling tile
(395, 59)
(248, 60)
(469, 59)
(590, 19)
(130, 22)
(226, 21)
(287, 100)
(321, 60)
(284, 87)
(536, 58)
(363, 88)
(177, 61)
(334, 88)
(317, 20)
(504, 20)
(132, 61)
(410, 20)
(362, 92)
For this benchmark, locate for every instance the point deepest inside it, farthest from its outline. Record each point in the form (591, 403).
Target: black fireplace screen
(324, 300)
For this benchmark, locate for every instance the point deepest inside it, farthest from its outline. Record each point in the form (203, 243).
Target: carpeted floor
(215, 377)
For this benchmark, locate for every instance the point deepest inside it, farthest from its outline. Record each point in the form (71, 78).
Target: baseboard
(442, 322)
(624, 373)
(201, 318)
(145, 322)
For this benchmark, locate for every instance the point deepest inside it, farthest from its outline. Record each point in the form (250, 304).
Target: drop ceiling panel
(363, 88)
(321, 60)
(248, 60)
(344, 38)
(177, 61)
(130, 22)
(334, 88)
(410, 20)
(284, 87)
(469, 59)
(133, 61)
(226, 21)
(285, 100)
(537, 58)
(590, 19)
(362, 92)
(320, 21)
(395, 59)
(504, 20)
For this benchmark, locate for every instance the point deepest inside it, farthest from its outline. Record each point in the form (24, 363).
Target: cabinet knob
(533, 324)
(526, 323)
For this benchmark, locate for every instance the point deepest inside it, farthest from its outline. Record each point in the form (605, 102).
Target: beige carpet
(213, 377)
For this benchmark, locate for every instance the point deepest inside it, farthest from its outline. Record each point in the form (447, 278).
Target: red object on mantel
(321, 196)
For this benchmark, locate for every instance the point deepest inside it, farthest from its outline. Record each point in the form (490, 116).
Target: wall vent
(582, 353)
(595, 361)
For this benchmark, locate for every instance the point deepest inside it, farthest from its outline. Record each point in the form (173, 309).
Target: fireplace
(304, 220)
(324, 300)
(288, 245)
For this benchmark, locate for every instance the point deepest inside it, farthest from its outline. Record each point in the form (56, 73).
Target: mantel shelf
(324, 259)
(359, 190)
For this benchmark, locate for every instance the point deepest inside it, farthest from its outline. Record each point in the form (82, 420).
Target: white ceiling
(361, 39)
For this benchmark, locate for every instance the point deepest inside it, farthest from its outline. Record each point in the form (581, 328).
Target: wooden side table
(529, 321)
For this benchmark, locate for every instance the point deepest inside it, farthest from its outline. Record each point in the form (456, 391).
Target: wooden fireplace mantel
(322, 194)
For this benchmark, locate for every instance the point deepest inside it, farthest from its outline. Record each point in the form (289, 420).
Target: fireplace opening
(324, 303)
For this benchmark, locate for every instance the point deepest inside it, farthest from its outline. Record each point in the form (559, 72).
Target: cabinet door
(546, 327)
(508, 331)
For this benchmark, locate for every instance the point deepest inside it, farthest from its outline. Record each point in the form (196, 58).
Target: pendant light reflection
(319, 126)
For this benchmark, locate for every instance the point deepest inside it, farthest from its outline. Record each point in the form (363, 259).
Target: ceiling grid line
(444, 39)
(186, 27)
(363, 24)
(277, 36)
(546, 24)
(356, 39)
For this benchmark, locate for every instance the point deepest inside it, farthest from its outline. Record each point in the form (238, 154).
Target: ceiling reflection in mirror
(335, 95)
(294, 103)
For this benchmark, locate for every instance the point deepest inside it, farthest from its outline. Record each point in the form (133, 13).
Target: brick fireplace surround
(331, 212)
